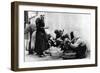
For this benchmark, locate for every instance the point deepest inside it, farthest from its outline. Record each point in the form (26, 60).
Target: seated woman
(66, 40)
(78, 46)
(58, 38)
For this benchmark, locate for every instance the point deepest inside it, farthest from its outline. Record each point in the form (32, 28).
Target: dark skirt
(41, 43)
(81, 51)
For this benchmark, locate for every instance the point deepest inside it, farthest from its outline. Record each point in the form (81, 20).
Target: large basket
(69, 55)
(55, 52)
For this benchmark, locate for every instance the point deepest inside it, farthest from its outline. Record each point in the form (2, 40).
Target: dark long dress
(41, 43)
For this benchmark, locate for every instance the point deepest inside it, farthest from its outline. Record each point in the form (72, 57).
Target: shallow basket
(70, 55)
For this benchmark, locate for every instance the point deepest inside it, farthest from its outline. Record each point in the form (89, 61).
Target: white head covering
(76, 34)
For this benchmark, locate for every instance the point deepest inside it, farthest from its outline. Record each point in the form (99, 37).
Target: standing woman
(30, 29)
(41, 42)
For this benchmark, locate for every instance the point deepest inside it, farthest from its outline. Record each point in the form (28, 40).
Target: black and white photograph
(51, 36)
(56, 35)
